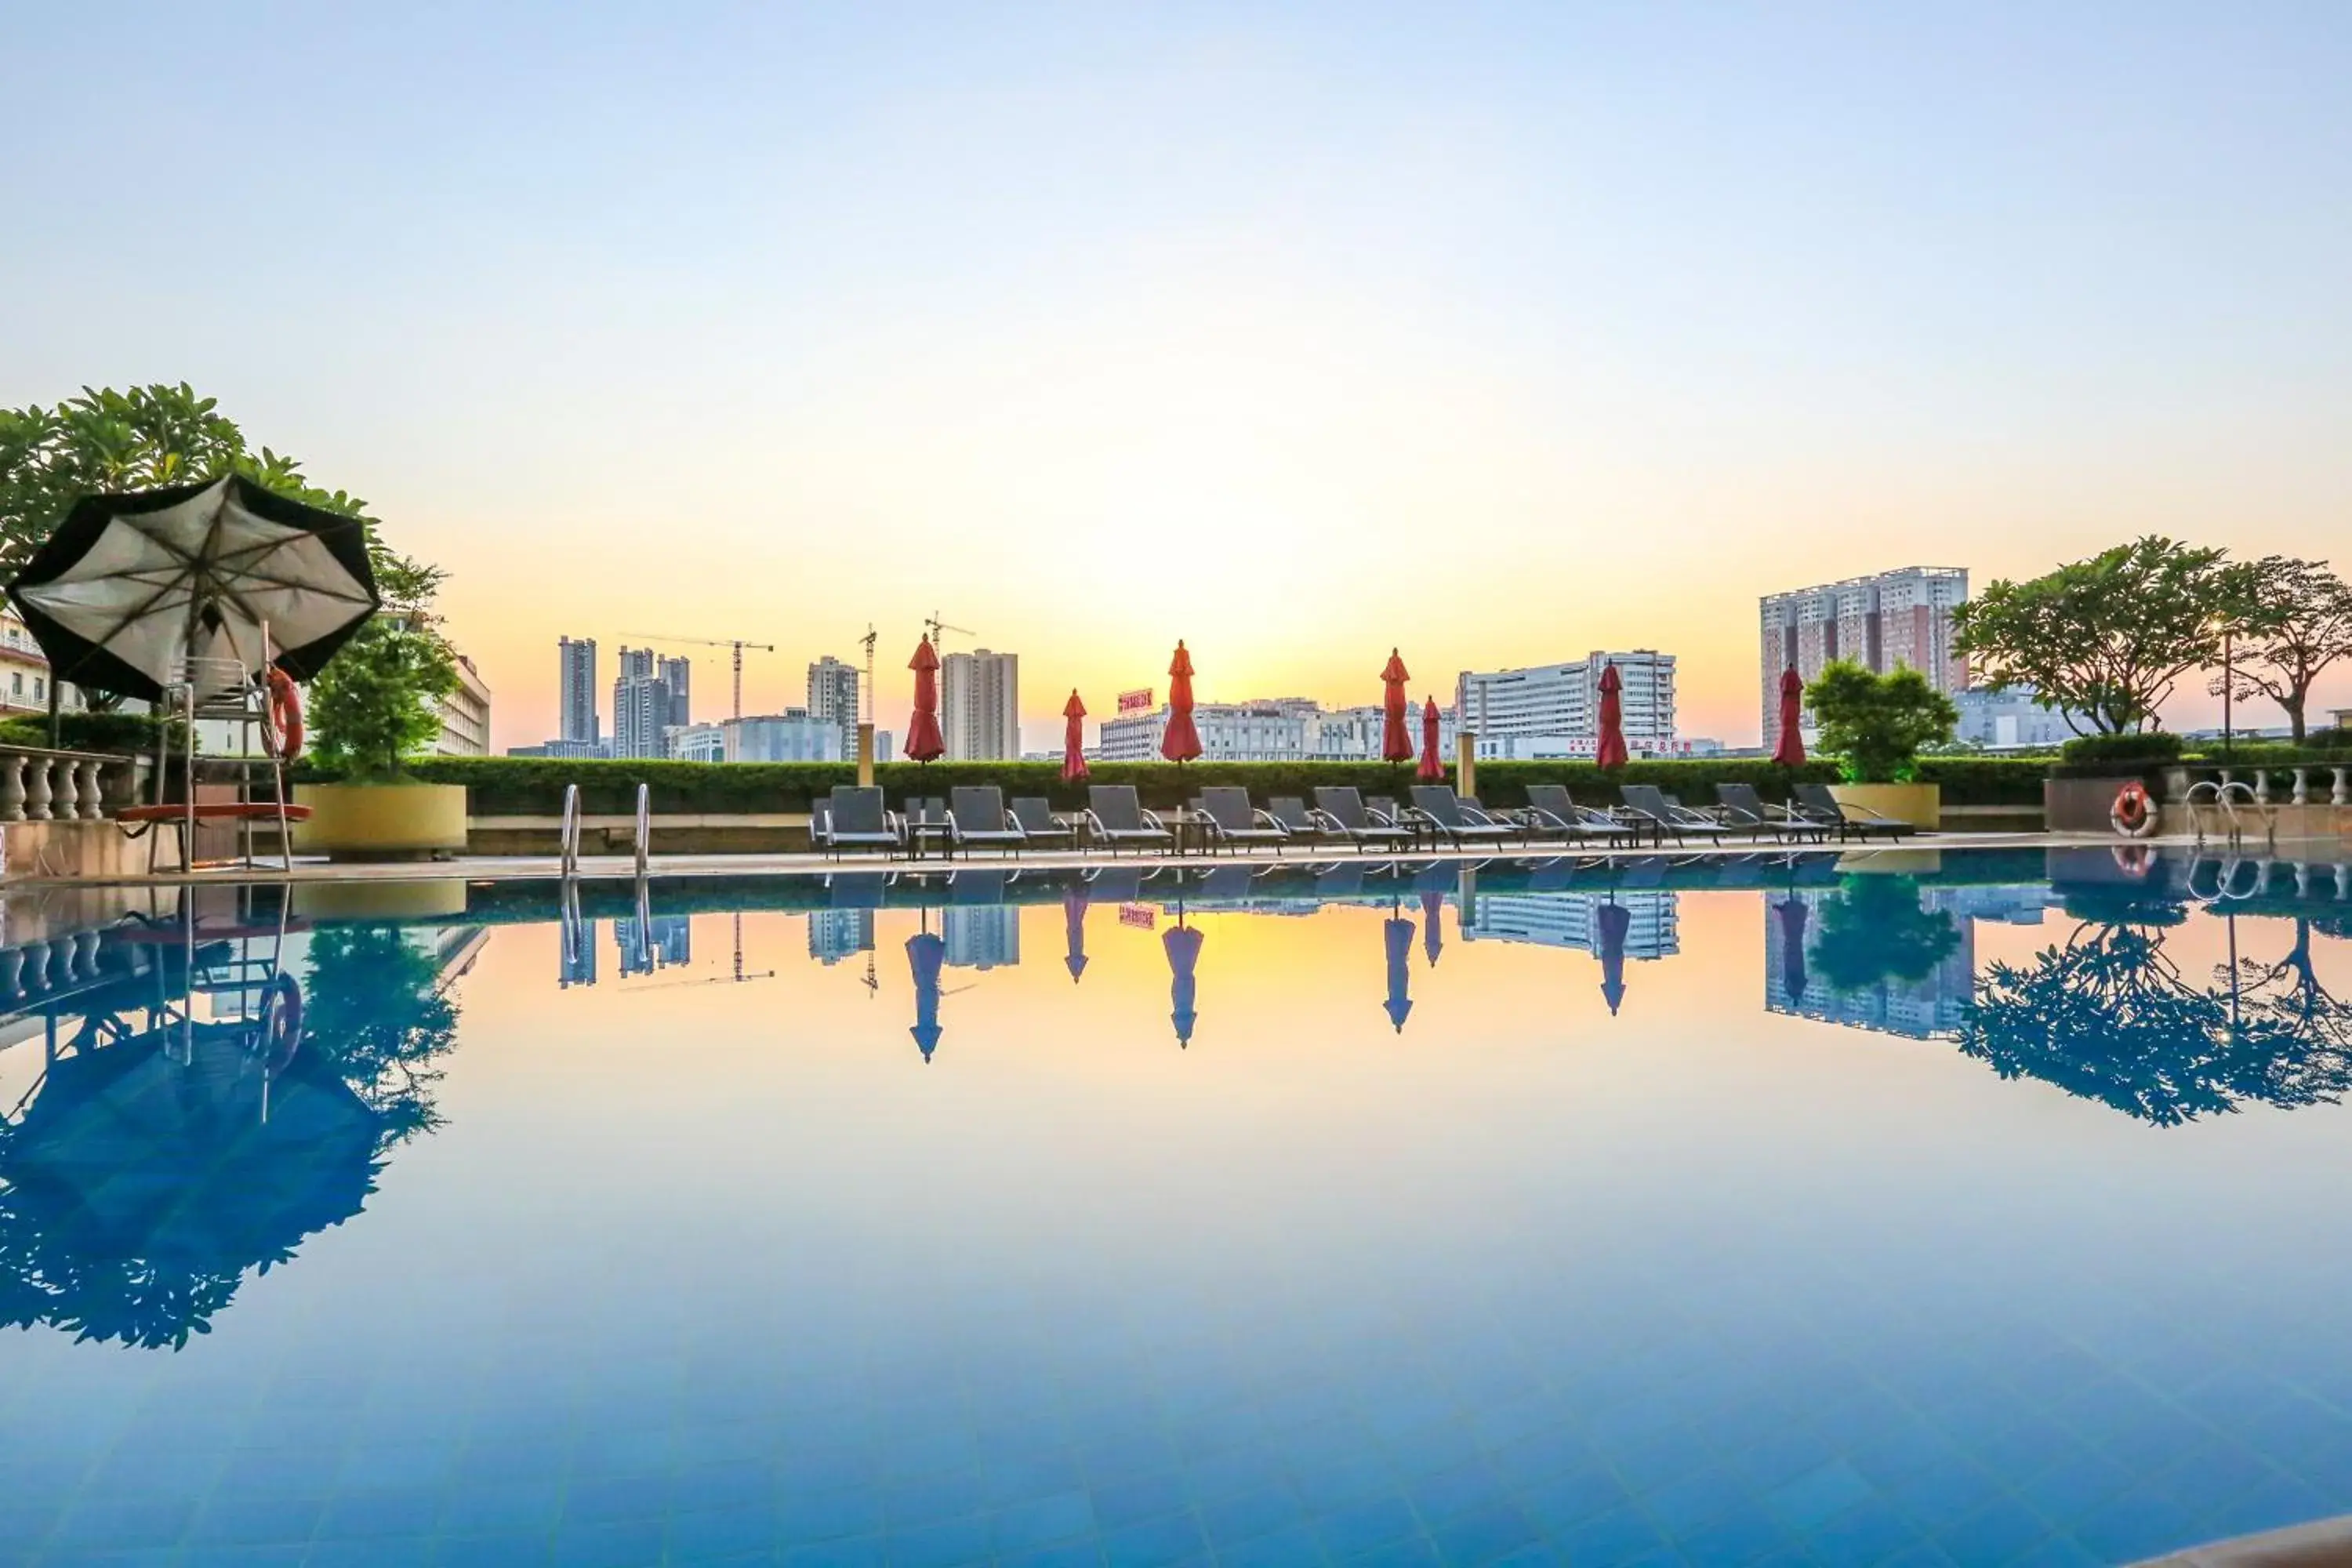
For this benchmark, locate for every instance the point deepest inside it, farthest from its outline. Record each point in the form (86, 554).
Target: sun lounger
(976, 817)
(857, 820)
(1115, 817)
(1551, 810)
(1861, 821)
(1459, 823)
(1039, 824)
(1743, 807)
(1292, 812)
(1648, 804)
(1230, 819)
(820, 823)
(1340, 811)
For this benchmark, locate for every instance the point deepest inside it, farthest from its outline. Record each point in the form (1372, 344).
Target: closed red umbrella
(1790, 752)
(924, 741)
(1611, 751)
(1396, 740)
(1432, 766)
(1074, 739)
(1181, 743)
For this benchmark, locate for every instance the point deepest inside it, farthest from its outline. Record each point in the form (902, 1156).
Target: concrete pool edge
(2322, 1543)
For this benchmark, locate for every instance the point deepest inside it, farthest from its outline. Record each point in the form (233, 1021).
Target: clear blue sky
(1503, 332)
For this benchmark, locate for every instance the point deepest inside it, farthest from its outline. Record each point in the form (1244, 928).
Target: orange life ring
(2133, 814)
(284, 724)
(282, 1023)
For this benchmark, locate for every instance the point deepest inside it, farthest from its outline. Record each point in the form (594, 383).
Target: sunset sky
(1499, 333)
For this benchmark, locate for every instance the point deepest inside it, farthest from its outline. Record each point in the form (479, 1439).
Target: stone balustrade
(38, 786)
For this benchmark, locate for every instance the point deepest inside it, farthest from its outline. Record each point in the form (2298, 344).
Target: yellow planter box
(1920, 804)
(382, 821)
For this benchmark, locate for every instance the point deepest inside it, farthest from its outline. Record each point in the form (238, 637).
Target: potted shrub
(1874, 725)
(370, 711)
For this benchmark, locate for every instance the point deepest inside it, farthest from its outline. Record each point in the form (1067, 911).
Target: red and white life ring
(283, 726)
(2133, 814)
(282, 1023)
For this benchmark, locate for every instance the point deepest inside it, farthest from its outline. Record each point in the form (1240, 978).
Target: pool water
(1914, 1208)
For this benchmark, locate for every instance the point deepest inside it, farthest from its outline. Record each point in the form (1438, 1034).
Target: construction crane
(738, 644)
(937, 625)
(866, 691)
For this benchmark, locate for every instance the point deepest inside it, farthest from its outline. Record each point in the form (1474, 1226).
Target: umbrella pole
(53, 707)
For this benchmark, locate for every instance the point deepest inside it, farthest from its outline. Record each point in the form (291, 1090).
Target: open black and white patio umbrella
(130, 585)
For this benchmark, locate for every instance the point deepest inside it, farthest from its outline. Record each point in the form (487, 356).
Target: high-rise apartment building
(576, 689)
(1549, 710)
(644, 705)
(832, 697)
(1900, 618)
(677, 674)
(980, 706)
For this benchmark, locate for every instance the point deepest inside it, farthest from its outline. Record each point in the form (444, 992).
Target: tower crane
(865, 690)
(937, 625)
(738, 644)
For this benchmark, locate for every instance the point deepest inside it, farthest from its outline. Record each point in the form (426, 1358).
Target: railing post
(12, 786)
(2302, 795)
(36, 789)
(2342, 794)
(2261, 787)
(91, 791)
(65, 790)
(569, 846)
(645, 825)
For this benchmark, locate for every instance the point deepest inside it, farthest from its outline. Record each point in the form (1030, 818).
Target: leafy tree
(372, 707)
(1876, 929)
(2294, 619)
(151, 437)
(1878, 723)
(2106, 637)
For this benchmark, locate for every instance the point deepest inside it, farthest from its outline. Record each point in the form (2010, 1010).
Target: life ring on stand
(282, 1023)
(2133, 814)
(283, 724)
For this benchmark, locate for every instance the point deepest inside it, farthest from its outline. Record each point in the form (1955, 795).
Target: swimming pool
(1920, 1208)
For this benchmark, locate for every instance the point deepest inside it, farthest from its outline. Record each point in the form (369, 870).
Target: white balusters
(2342, 794)
(65, 794)
(91, 771)
(2302, 787)
(12, 786)
(36, 789)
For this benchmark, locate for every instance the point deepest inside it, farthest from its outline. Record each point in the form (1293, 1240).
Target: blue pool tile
(489, 1550)
(1042, 1522)
(1995, 1533)
(943, 1545)
(1579, 1495)
(1154, 1542)
(1485, 1534)
(1742, 1532)
(352, 1515)
(616, 1500)
(1068, 1554)
(387, 1551)
(928, 1500)
(623, 1545)
(1131, 1501)
(823, 1516)
(1243, 1516)
(2058, 1551)
(1412, 1552)
(239, 1557)
(735, 1484)
(1937, 1498)
(1360, 1526)
(705, 1534)
(2076, 1486)
(2270, 1505)
(2143, 1522)
(1285, 1548)
(1223, 1475)
(1455, 1490)
(1870, 1532)
(1818, 1495)
(850, 1551)
(1619, 1536)
(1682, 1506)
(114, 1524)
(255, 1521)
(479, 1510)
(1336, 1482)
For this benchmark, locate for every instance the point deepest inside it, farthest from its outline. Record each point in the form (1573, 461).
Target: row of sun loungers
(1114, 818)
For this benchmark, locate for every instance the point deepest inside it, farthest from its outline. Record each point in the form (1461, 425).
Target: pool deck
(548, 867)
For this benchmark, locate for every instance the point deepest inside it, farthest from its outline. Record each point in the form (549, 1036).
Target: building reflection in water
(1652, 928)
(1883, 951)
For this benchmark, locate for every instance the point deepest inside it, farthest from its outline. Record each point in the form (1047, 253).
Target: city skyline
(1297, 334)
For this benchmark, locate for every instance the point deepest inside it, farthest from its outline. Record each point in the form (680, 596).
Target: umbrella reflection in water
(926, 951)
(1396, 931)
(1611, 922)
(1182, 943)
(1792, 914)
(1074, 926)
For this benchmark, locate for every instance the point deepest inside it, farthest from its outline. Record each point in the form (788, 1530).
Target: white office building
(2010, 720)
(696, 742)
(980, 706)
(793, 735)
(576, 690)
(1899, 618)
(1270, 729)
(465, 715)
(832, 697)
(1553, 711)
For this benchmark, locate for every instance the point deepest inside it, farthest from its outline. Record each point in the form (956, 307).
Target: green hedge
(533, 786)
(1987, 781)
(80, 731)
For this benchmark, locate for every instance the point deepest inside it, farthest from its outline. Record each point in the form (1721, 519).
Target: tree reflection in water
(145, 1178)
(2108, 1016)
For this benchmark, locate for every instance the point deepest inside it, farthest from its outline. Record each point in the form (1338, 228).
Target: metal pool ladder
(2223, 796)
(569, 846)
